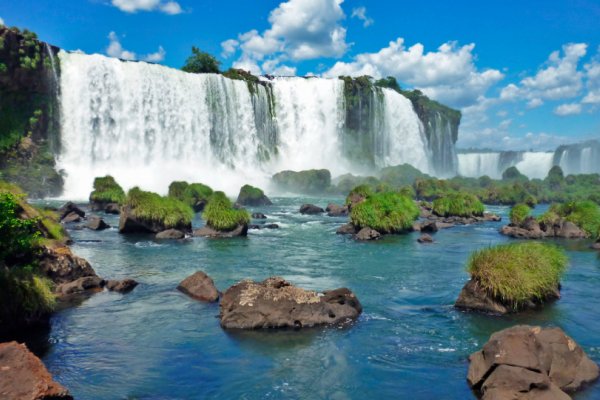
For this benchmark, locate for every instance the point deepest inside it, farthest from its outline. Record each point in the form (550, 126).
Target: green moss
(518, 213)
(170, 212)
(24, 295)
(220, 214)
(458, 205)
(387, 212)
(177, 188)
(519, 272)
(107, 190)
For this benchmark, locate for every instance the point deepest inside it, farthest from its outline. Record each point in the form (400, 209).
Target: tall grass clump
(107, 190)
(387, 212)
(170, 212)
(585, 214)
(458, 205)
(518, 213)
(220, 214)
(517, 273)
(363, 190)
(193, 194)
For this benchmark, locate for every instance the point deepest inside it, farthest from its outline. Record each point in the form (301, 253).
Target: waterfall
(55, 81)
(493, 164)
(581, 158)
(474, 165)
(148, 125)
(535, 164)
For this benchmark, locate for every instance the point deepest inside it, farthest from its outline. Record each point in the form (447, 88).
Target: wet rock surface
(334, 210)
(96, 224)
(275, 303)
(170, 234)
(530, 228)
(208, 232)
(199, 286)
(311, 209)
(367, 234)
(122, 286)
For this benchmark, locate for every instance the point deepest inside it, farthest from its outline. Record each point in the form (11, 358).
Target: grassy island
(386, 212)
(220, 214)
(458, 205)
(107, 190)
(151, 207)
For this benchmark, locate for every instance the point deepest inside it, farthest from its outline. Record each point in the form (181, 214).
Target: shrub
(107, 190)
(387, 212)
(176, 189)
(518, 213)
(359, 191)
(518, 272)
(512, 173)
(17, 236)
(220, 214)
(170, 212)
(400, 175)
(195, 194)
(458, 205)
(200, 62)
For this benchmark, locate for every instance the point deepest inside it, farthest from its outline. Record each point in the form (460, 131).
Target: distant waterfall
(474, 165)
(148, 125)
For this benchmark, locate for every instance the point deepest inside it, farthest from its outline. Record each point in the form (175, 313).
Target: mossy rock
(195, 195)
(518, 213)
(314, 181)
(387, 212)
(106, 191)
(220, 215)
(252, 196)
(458, 205)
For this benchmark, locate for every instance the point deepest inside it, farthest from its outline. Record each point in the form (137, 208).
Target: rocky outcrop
(311, 209)
(530, 228)
(62, 266)
(530, 362)
(96, 224)
(170, 234)
(425, 238)
(71, 218)
(123, 286)
(346, 229)
(253, 197)
(275, 303)
(112, 208)
(83, 285)
(206, 231)
(130, 223)
(367, 234)
(24, 376)
(334, 210)
(200, 287)
(69, 208)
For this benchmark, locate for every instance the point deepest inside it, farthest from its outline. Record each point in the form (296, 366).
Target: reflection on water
(157, 343)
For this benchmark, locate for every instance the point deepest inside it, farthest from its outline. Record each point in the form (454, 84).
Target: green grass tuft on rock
(107, 190)
(220, 214)
(387, 212)
(192, 194)
(172, 213)
(458, 205)
(517, 273)
(518, 213)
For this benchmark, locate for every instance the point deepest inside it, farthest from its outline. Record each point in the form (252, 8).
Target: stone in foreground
(276, 303)
(23, 376)
(170, 234)
(529, 362)
(123, 286)
(311, 209)
(367, 234)
(199, 286)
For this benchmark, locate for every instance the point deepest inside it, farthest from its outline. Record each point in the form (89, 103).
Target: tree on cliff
(200, 62)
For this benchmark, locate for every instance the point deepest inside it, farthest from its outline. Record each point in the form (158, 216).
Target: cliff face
(28, 112)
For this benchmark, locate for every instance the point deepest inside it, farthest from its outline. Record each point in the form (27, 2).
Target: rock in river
(311, 209)
(200, 287)
(276, 303)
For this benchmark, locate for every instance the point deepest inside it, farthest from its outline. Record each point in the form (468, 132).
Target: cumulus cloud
(229, 47)
(132, 6)
(592, 73)
(115, 49)
(300, 30)
(448, 74)
(568, 109)
(361, 14)
(1, 21)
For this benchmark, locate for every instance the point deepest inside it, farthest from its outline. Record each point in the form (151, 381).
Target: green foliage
(17, 236)
(584, 214)
(313, 181)
(192, 194)
(555, 179)
(220, 214)
(177, 188)
(458, 205)
(107, 190)
(346, 182)
(170, 212)
(386, 212)
(400, 175)
(512, 173)
(200, 63)
(517, 273)
(360, 190)
(24, 295)
(252, 196)
(518, 213)
(390, 82)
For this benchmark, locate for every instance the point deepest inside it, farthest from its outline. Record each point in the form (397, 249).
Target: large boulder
(83, 285)
(112, 208)
(122, 286)
(275, 303)
(207, 231)
(71, 218)
(170, 234)
(252, 196)
(62, 266)
(311, 209)
(69, 208)
(474, 297)
(96, 224)
(367, 234)
(530, 362)
(130, 223)
(334, 210)
(346, 229)
(24, 376)
(200, 287)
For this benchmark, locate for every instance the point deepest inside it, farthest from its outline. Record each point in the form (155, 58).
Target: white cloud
(132, 6)
(535, 103)
(229, 47)
(115, 49)
(592, 73)
(568, 109)
(300, 30)
(448, 74)
(1, 21)
(361, 13)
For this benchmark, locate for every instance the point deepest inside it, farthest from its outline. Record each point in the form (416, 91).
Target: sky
(525, 74)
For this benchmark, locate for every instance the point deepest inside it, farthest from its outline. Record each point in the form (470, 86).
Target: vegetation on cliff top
(170, 212)
(200, 62)
(517, 273)
(220, 215)
(107, 190)
(386, 212)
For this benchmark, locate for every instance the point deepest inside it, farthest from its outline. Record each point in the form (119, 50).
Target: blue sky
(526, 74)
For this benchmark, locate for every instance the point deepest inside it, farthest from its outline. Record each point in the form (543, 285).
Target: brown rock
(71, 217)
(170, 234)
(311, 209)
(425, 238)
(571, 231)
(61, 266)
(596, 245)
(123, 286)
(525, 362)
(429, 227)
(97, 224)
(129, 223)
(259, 215)
(200, 287)
(23, 376)
(206, 231)
(69, 208)
(80, 286)
(346, 229)
(367, 234)
(112, 208)
(354, 199)
(333, 210)
(474, 297)
(275, 303)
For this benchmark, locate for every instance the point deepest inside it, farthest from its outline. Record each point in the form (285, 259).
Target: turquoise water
(156, 343)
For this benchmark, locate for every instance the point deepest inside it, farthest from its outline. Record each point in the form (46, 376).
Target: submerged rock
(86, 284)
(71, 218)
(346, 229)
(122, 286)
(97, 224)
(200, 287)
(112, 208)
(530, 362)
(206, 231)
(259, 216)
(275, 303)
(367, 234)
(311, 209)
(24, 376)
(170, 234)
(333, 210)
(425, 238)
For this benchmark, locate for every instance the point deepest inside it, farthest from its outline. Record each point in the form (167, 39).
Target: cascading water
(474, 165)
(148, 125)
(535, 164)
